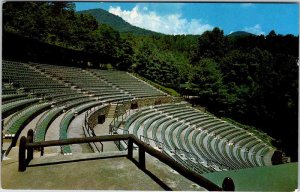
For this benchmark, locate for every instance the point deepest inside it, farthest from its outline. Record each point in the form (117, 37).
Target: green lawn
(270, 178)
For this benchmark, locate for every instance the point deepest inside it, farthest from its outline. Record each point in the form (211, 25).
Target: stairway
(112, 111)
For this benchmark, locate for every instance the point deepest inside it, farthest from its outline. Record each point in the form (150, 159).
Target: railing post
(22, 153)
(42, 151)
(130, 149)
(30, 149)
(228, 184)
(142, 160)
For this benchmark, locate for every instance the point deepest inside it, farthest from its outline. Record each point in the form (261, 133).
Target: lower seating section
(195, 139)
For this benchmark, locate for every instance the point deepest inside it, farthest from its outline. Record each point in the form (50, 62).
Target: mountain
(117, 22)
(239, 33)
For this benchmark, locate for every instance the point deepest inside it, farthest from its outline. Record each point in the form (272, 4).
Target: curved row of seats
(7, 107)
(14, 125)
(196, 139)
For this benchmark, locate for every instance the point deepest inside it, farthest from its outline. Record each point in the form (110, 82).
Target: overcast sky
(195, 18)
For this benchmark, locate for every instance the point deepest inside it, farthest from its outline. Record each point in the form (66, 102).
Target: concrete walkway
(53, 134)
(103, 129)
(75, 130)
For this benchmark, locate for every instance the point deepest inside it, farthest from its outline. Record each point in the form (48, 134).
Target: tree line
(251, 79)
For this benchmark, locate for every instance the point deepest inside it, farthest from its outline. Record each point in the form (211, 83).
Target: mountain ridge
(240, 34)
(116, 22)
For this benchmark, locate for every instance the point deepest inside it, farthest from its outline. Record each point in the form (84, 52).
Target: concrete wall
(93, 115)
(143, 102)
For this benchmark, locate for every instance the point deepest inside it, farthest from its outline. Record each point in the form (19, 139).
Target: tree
(211, 44)
(207, 81)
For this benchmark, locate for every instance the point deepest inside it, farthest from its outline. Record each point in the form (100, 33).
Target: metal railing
(27, 146)
(147, 140)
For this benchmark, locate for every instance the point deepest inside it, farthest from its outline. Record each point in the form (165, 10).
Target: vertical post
(42, 151)
(30, 149)
(142, 160)
(228, 184)
(22, 151)
(130, 149)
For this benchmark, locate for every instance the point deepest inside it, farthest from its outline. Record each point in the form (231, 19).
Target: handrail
(146, 140)
(77, 141)
(29, 145)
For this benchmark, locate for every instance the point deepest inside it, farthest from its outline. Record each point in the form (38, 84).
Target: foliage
(57, 23)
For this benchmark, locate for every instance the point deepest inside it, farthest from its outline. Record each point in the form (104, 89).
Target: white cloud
(256, 29)
(247, 5)
(167, 24)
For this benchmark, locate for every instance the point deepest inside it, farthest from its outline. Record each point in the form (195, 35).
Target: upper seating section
(22, 76)
(26, 81)
(127, 82)
(79, 78)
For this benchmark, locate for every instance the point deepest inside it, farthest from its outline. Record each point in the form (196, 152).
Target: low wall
(92, 117)
(143, 102)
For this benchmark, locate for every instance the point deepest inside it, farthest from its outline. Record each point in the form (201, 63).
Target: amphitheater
(61, 102)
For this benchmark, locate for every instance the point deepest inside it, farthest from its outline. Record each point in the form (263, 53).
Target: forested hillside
(116, 22)
(251, 79)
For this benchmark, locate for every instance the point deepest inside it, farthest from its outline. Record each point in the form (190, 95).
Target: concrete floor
(103, 129)
(110, 173)
(107, 174)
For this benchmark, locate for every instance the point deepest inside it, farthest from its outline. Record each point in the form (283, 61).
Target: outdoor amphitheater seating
(196, 139)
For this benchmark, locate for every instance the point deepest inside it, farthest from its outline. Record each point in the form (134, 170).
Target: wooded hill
(251, 79)
(116, 22)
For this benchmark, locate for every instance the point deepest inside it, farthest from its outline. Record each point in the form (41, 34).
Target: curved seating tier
(44, 123)
(16, 123)
(18, 104)
(8, 97)
(198, 140)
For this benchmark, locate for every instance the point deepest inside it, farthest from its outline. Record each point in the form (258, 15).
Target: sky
(196, 18)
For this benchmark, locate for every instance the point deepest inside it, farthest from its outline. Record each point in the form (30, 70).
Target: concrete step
(112, 111)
